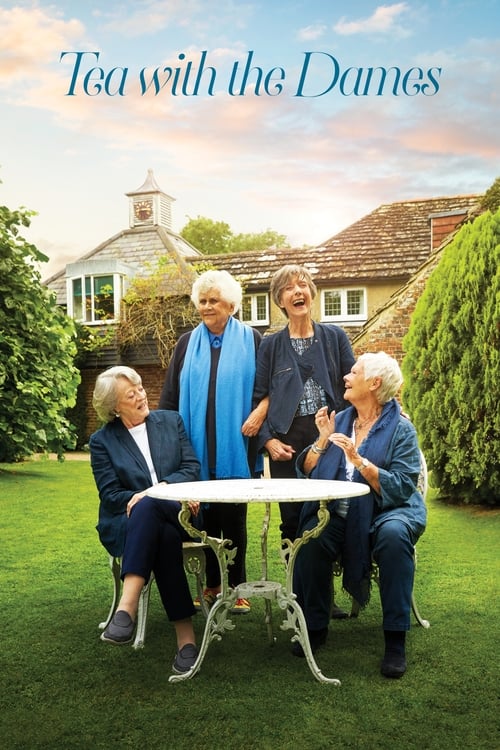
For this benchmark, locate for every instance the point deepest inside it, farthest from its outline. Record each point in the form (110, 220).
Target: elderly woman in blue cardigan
(371, 442)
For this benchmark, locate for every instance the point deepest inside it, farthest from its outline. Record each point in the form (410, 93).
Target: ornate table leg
(217, 621)
(287, 600)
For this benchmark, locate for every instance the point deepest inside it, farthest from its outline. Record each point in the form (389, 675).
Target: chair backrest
(423, 477)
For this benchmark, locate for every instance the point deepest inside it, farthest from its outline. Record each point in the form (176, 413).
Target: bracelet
(316, 449)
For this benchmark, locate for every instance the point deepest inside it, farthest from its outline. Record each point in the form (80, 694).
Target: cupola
(150, 205)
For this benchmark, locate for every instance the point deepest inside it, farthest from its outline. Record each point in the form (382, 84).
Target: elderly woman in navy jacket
(300, 369)
(369, 442)
(133, 451)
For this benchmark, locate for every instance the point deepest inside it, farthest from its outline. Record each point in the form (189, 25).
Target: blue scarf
(233, 397)
(356, 552)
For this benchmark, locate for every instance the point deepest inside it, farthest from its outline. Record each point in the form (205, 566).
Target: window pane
(332, 303)
(77, 299)
(261, 307)
(246, 307)
(354, 301)
(104, 303)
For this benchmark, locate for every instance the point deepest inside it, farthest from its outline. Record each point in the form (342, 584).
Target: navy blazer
(120, 469)
(281, 374)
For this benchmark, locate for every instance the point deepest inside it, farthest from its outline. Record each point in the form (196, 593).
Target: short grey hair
(228, 287)
(282, 278)
(104, 396)
(381, 365)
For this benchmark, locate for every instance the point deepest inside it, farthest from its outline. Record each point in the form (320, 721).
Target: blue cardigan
(281, 374)
(120, 469)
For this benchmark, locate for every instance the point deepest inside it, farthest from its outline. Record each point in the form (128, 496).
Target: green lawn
(61, 687)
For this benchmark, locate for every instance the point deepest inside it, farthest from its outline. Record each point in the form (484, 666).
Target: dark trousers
(228, 521)
(153, 543)
(302, 433)
(392, 548)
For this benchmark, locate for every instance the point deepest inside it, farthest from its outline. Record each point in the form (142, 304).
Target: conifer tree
(451, 366)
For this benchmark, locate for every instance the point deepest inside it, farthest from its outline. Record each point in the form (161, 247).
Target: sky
(265, 115)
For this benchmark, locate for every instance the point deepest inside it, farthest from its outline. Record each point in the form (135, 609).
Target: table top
(259, 490)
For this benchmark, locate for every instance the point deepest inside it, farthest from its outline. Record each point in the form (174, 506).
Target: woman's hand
(344, 442)
(194, 507)
(279, 451)
(253, 422)
(134, 500)
(324, 424)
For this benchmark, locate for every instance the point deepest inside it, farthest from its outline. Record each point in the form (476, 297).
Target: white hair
(230, 290)
(381, 365)
(104, 396)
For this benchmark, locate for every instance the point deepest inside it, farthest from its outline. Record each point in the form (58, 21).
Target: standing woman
(210, 381)
(301, 368)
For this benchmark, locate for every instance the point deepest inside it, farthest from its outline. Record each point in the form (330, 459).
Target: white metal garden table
(267, 491)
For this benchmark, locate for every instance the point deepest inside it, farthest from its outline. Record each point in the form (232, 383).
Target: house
(358, 272)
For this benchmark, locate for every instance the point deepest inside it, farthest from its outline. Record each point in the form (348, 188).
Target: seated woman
(370, 442)
(134, 450)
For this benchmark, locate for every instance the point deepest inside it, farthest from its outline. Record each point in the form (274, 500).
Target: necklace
(358, 425)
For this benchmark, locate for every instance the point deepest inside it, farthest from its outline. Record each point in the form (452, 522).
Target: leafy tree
(491, 199)
(207, 236)
(158, 307)
(267, 240)
(452, 362)
(212, 237)
(38, 379)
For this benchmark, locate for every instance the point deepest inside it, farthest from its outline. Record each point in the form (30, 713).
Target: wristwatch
(364, 463)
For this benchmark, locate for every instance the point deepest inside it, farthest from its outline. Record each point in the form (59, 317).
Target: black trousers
(230, 522)
(302, 433)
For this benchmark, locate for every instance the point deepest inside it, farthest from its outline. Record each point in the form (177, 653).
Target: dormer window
(94, 298)
(95, 290)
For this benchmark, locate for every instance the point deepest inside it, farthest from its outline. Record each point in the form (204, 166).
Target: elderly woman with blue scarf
(210, 381)
(370, 442)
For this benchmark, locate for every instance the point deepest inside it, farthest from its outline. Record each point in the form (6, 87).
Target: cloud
(382, 21)
(311, 33)
(29, 38)
(200, 17)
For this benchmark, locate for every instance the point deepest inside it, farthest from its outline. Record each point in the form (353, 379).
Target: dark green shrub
(451, 366)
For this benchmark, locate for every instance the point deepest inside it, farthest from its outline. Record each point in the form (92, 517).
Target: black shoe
(120, 630)
(185, 658)
(339, 614)
(393, 665)
(317, 638)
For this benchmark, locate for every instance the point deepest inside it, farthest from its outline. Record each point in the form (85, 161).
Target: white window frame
(254, 320)
(344, 317)
(118, 290)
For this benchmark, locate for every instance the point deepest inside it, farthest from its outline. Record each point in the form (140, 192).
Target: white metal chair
(194, 564)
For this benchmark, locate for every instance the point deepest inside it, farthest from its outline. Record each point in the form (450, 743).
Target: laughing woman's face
(296, 298)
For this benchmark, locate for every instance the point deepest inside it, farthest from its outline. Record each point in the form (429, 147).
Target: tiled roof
(388, 244)
(138, 248)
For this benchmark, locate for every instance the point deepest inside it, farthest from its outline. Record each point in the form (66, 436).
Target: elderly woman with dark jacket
(134, 450)
(300, 369)
(369, 442)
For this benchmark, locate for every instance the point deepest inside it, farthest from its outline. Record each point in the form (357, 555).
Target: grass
(61, 687)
